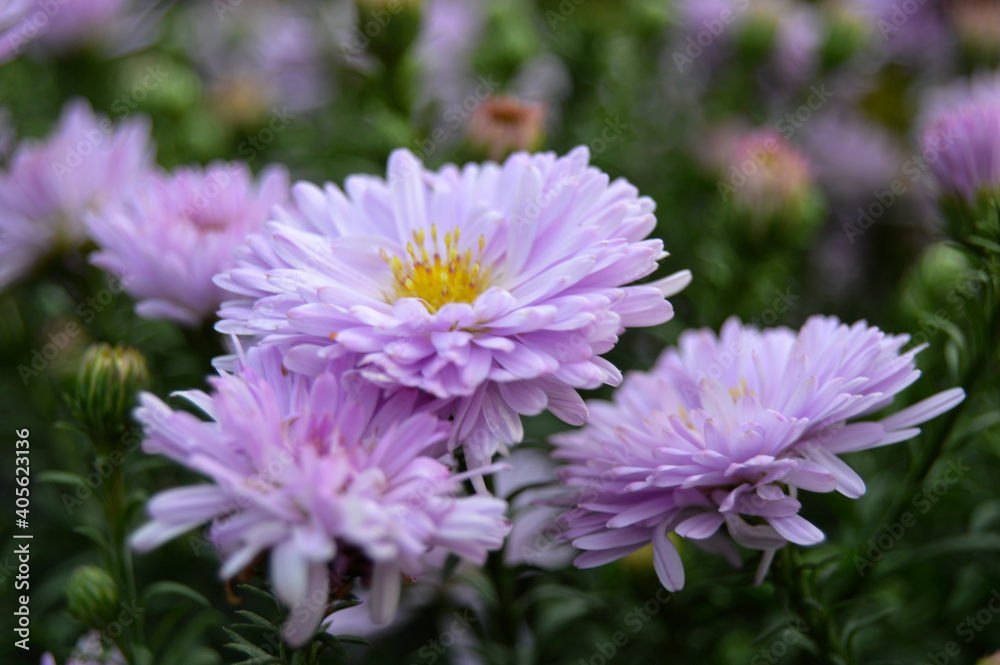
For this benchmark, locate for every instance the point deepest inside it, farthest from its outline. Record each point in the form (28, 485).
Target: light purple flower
(962, 129)
(63, 25)
(914, 33)
(175, 231)
(257, 55)
(493, 287)
(11, 14)
(724, 432)
(50, 186)
(450, 31)
(535, 511)
(325, 476)
(851, 157)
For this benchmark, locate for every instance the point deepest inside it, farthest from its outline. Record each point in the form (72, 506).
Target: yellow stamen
(437, 279)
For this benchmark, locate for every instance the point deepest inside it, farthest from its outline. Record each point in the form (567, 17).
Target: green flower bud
(92, 597)
(106, 386)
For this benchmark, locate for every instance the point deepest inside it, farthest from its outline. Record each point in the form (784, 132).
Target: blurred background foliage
(837, 86)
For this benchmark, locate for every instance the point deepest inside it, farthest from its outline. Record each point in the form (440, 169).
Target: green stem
(980, 362)
(131, 642)
(804, 600)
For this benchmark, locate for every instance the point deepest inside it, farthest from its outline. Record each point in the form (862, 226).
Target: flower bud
(502, 125)
(106, 386)
(92, 597)
(977, 24)
(768, 184)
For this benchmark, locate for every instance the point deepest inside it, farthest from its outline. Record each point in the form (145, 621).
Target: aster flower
(962, 128)
(256, 55)
(501, 125)
(977, 23)
(449, 33)
(903, 36)
(725, 430)
(768, 179)
(492, 287)
(324, 476)
(50, 186)
(177, 230)
(850, 156)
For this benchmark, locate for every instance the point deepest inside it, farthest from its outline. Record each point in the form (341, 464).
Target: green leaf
(94, 535)
(354, 639)
(332, 643)
(62, 478)
(169, 588)
(856, 624)
(258, 620)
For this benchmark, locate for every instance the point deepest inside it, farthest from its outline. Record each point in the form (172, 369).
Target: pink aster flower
(323, 475)
(176, 231)
(962, 129)
(493, 287)
(725, 430)
(49, 187)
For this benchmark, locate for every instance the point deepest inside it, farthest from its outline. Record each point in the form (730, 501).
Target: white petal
(672, 284)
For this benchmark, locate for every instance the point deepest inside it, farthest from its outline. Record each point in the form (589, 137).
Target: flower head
(324, 475)
(258, 55)
(492, 287)
(51, 186)
(962, 128)
(174, 233)
(501, 125)
(725, 430)
(769, 180)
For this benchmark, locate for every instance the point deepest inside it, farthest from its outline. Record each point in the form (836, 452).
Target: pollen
(435, 274)
(740, 391)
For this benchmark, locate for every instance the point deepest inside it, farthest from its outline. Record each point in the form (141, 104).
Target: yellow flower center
(441, 278)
